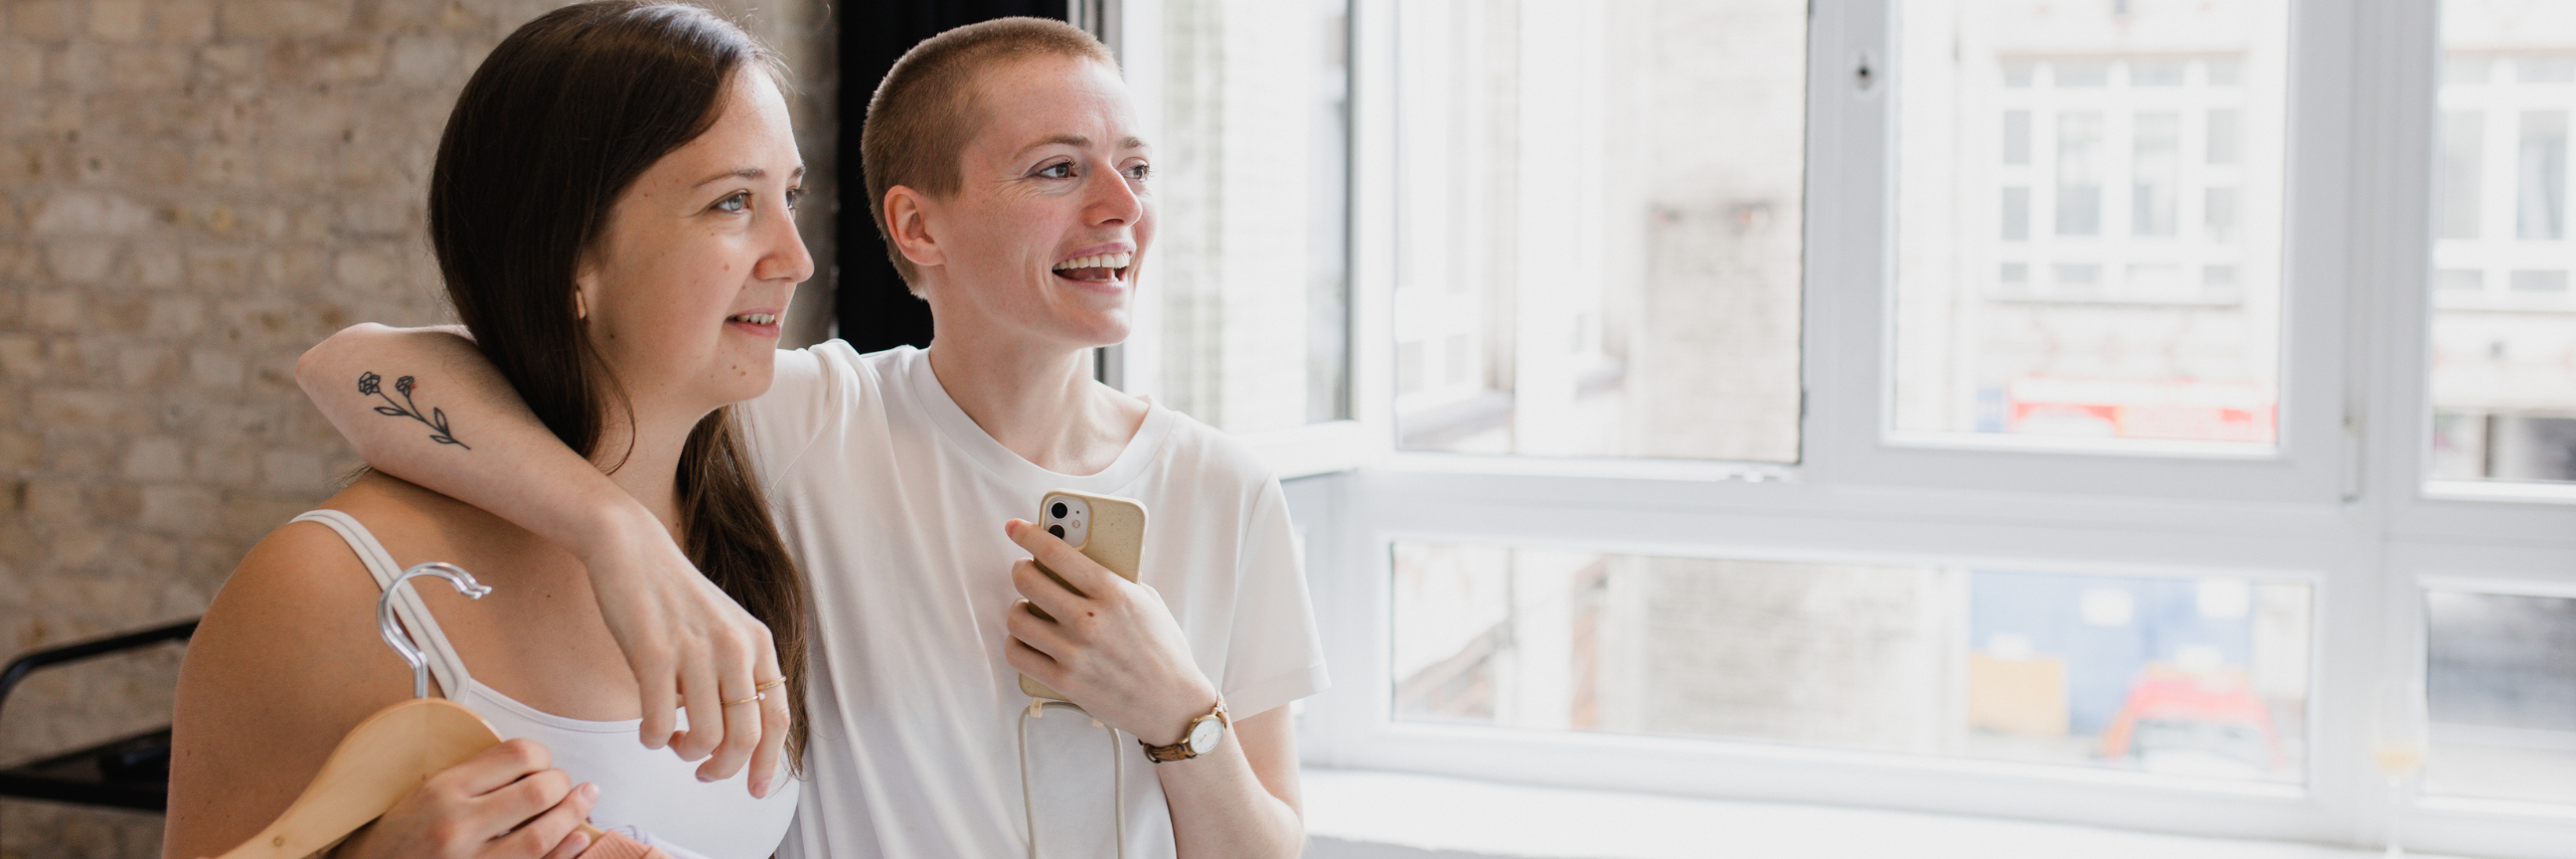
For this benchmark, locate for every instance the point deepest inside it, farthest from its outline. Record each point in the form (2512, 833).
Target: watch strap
(1181, 751)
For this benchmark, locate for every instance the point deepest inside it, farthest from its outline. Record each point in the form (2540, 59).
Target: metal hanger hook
(401, 640)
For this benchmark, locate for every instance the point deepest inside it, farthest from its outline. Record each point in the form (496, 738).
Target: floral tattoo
(372, 385)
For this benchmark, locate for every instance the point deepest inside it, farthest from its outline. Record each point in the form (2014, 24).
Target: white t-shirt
(893, 500)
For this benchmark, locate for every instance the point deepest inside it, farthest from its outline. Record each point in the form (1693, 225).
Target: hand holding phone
(1107, 529)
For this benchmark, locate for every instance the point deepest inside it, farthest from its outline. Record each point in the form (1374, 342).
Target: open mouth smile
(1096, 268)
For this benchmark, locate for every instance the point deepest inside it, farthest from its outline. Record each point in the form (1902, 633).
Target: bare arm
(284, 664)
(424, 405)
(1116, 651)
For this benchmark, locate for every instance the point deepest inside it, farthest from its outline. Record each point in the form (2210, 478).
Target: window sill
(1358, 814)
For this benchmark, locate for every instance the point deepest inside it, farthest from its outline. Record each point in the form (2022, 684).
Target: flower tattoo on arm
(372, 385)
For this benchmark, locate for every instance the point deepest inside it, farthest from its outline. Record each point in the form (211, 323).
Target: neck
(651, 472)
(1039, 401)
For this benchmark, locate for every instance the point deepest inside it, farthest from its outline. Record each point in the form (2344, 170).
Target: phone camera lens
(1057, 530)
(1058, 511)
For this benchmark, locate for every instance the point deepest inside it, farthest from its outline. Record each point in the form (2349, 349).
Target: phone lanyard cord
(1117, 778)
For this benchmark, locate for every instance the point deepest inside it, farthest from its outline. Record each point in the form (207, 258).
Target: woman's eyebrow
(751, 174)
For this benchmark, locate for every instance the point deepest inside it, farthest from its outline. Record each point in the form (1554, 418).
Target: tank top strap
(444, 664)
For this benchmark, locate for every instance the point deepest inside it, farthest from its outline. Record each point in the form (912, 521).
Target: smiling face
(684, 289)
(1040, 242)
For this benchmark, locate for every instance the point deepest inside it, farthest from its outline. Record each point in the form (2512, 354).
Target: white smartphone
(1105, 528)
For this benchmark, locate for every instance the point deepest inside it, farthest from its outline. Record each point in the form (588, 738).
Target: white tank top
(648, 792)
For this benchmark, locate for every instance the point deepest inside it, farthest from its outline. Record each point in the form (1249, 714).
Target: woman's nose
(787, 258)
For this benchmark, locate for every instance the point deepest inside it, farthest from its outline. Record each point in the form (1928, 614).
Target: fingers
(1045, 636)
(701, 696)
(741, 710)
(1033, 662)
(495, 768)
(773, 739)
(660, 685)
(1085, 575)
(1053, 598)
(556, 834)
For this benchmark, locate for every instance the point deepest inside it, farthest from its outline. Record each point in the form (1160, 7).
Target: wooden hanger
(392, 752)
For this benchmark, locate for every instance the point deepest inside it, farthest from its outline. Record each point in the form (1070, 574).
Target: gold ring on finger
(755, 696)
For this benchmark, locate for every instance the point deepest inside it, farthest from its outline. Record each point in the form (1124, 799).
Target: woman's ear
(907, 217)
(582, 279)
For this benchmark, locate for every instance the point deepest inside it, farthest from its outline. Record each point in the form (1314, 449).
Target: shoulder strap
(444, 664)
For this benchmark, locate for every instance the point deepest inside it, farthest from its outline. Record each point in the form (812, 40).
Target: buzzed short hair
(924, 114)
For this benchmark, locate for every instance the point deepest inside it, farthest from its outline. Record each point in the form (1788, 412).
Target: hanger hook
(401, 640)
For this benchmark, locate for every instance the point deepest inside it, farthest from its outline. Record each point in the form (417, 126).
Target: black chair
(132, 773)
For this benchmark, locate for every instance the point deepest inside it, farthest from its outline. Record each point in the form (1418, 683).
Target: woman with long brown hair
(611, 210)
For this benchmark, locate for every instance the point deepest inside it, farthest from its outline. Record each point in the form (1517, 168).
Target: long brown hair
(554, 126)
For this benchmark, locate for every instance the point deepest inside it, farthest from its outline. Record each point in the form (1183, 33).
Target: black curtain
(873, 307)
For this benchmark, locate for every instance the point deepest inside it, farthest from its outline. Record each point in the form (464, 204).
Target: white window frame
(2341, 504)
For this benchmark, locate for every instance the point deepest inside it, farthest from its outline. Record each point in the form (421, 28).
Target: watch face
(1204, 736)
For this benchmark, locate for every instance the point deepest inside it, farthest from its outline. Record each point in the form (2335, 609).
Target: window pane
(1252, 244)
(1598, 243)
(2503, 318)
(2502, 696)
(2151, 196)
(2178, 675)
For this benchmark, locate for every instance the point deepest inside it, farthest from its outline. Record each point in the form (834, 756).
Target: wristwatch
(1204, 735)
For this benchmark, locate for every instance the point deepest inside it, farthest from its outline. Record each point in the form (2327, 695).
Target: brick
(53, 502)
(179, 509)
(360, 269)
(219, 269)
(150, 67)
(86, 410)
(114, 503)
(215, 368)
(265, 18)
(158, 165)
(116, 20)
(146, 366)
(293, 268)
(158, 264)
(293, 469)
(90, 213)
(80, 260)
(22, 357)
(226, 166)
(156, 460)
(59, 310)
(302, 166)
(183, 22)
(424, 59)
(227, 61)
(349, 60)
(20, 450)
(22, 65)
(176, 315)
(79, 66)
(46, 20)
(225, 464)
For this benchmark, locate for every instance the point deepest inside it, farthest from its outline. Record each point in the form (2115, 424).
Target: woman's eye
(734, 202)
(1058, 170)
(1140, 172)
(793, 195)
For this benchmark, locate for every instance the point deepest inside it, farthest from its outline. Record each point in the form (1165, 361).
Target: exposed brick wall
(191, 193)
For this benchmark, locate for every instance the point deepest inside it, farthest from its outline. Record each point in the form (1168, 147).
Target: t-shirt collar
(979, 446)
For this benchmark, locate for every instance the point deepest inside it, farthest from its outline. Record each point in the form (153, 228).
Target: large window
(2504, 322)
(2076, 410)
(1247, 294)
(1597, 241)
(2089, 217)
